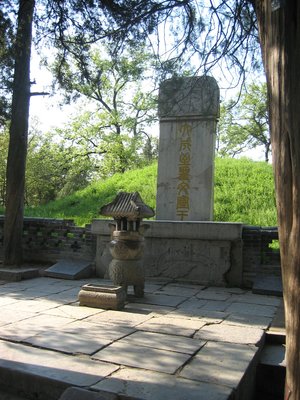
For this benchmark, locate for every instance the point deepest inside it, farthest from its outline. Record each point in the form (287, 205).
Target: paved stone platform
(180, 342)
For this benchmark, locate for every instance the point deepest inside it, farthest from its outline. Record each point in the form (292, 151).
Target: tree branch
(39, 94)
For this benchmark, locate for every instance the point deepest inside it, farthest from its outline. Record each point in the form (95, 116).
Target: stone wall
(47, 240)
(258, 254)
(225, 252)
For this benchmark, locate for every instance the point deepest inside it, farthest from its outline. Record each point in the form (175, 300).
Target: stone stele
(188, 112)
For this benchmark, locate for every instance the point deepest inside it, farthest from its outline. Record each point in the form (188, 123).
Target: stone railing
(47, 240)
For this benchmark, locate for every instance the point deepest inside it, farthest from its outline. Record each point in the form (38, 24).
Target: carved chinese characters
(188, 111)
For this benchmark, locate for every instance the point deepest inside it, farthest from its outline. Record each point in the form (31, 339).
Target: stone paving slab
(8, 317)
(191, 305)
(142, 357)
(211, 295)
(4, 301)
(148, 385)
(65, 296)
(209, 317)
(231, 334)
(165, 342)
(178, 290)
(231, 290)
(33, 306)
(216, 305)
(32, 326)
(252, 309)
(172, 326)
(122, 318)
(70, 339)
(68, 342)
(162, 299)
(150, 287)
(109, 331)
(253, 321)
(73, 311)
(154, 309)
(138, 352)
(53, 365)
(256, 299)
(209, 363)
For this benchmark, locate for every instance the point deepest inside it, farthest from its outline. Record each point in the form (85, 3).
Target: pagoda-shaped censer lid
(129, 206)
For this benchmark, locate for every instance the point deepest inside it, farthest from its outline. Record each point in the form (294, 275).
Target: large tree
(17, 150)
(279, 31)
(120, 87)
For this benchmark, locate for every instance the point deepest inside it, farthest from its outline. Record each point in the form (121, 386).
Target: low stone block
(18, 274)
(70, 269)
(107, 297)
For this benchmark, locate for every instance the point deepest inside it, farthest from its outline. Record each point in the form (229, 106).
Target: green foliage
(53, 169)
(115, 81)
(119, 84)
(244, 192)
(244, 123)
(99, 152)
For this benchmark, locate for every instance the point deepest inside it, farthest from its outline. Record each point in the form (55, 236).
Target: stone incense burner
(127, 240)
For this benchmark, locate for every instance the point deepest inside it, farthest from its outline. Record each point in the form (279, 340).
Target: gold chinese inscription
(184, 167)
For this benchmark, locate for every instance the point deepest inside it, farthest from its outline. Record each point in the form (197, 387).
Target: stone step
(270, 373)
(270, 269)
(17, 274)
(44, 374)
(268, 285)
(11, 396)
(74, 393)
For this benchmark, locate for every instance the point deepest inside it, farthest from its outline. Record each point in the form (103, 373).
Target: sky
(46, 108)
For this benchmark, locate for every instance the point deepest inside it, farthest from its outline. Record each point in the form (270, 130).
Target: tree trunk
(17, 152)
(279, 30)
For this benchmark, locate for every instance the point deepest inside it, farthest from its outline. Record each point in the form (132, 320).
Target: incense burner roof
(127, 205)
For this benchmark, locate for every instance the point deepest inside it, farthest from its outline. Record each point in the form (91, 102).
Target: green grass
(244, 192)
(84, 205)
